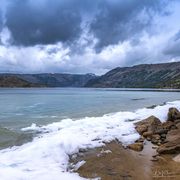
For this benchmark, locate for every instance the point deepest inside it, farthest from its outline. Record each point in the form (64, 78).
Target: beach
(53, 128)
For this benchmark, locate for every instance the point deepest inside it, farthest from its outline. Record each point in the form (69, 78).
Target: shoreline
(113, 161)
(155, 155)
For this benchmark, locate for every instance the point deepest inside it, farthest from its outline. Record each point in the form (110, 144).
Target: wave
(47, 156)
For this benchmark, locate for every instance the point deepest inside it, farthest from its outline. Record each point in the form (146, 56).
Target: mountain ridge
(44, 80)
(164, 75)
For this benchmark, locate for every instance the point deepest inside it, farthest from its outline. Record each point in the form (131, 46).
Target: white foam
(47, 157)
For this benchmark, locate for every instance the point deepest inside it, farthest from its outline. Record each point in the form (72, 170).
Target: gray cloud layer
(46, 24)
(79, 35)
(121, 20)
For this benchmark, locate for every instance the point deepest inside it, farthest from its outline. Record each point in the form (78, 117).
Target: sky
(87, 36)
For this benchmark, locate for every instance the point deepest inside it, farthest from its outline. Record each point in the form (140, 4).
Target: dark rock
(154, 147)
(161, 131)
(141, 139)
(163, 136)
(173, 114)
(141, 128)
(173, 143)
(148, 134)
(167, 125)
(154, 159)
(154, 141)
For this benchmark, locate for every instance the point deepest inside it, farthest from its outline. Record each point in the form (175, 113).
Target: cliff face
(44, 80)
(165, 75)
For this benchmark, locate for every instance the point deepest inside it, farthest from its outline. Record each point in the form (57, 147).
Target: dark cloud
(173, 47)
(47, 22)
(87, 35)
(51, 22)
(122, 20)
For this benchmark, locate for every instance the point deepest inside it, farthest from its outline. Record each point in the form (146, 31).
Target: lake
(46, 125)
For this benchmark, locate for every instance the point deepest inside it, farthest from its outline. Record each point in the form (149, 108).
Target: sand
(114, 162)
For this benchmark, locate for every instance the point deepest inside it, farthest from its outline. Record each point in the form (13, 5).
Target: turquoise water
(20, 108)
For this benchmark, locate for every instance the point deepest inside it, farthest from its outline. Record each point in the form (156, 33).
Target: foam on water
(47, 156)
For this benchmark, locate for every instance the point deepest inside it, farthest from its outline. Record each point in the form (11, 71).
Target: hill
(14, 81)
(165, 75)
(44, 80)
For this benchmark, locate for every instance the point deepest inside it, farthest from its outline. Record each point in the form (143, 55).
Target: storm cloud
(121, 20)
(82, 36)
(46, 22)
(49, 23)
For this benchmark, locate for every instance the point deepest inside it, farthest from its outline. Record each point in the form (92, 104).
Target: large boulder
(172, 144)
(152, 120)
(151, 124)
(173, 114)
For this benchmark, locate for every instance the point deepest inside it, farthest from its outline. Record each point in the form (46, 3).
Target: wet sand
(114, 162)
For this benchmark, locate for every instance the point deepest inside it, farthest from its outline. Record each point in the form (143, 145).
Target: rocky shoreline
(165, 135)
(155, 155)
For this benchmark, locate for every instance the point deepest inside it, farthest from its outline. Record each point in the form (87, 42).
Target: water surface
(20, 108)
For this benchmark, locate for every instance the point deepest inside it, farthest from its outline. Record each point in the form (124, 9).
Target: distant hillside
(166, 75)
(13, 81)
(44, 80)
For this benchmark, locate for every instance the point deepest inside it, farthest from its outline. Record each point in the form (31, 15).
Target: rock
(173, 114)
(152, 120)
(177, 121)
(136, 146)
(141, 139)
(163, 136)
(154, 147)
(152, 123)
(167, 125)
(159, 143)
(173, 127)
(154, 141)
(161, 131)
(141, 129)
(178, 125)
(156, 136)
(177, 158)
(154, 159)
(148, 134)
(173, 143)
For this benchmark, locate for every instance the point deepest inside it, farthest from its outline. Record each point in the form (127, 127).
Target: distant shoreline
(99, 88)
(160, 76)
